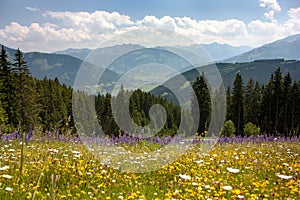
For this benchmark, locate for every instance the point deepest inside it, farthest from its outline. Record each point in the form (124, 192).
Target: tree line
(273, 109)
(252, 108)
(114, 118)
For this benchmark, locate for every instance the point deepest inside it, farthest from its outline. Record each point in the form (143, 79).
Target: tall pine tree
(277, 98)
(203, 100)
(252, 102)
(25, 104)
(237, 104)
(286, 105)
(8, 86)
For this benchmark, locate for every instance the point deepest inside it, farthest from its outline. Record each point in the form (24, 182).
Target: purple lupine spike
(149, 135)
(143, 131)
(29, 135)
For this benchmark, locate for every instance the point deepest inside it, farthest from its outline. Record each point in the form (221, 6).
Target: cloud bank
(89, 29)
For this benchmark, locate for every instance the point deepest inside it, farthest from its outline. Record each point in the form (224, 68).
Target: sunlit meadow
(236, 168)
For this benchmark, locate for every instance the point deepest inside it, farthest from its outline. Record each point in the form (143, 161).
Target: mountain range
(216, 51)
(51, 65)
(65, 64)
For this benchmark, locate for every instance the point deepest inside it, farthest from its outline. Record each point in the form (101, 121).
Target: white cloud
(97, 21)
(42, 37)
(204, 31)
(222, 28)
(272, 7)
(166, 22)
(84, 29)
(270, 4)
(33, 9)
(294, 19)
(270, 14)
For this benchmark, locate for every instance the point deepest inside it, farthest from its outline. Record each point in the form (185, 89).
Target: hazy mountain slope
(216, 51)
(287, 48)
(106, 53)
(258, 70)
(64, 67)
(76, 53)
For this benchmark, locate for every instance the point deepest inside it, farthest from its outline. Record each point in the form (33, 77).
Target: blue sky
(49, 25)
(197, 9)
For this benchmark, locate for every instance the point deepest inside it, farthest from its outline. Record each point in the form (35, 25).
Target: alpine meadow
(156, 100)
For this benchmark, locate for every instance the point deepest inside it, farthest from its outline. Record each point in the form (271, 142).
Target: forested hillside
(252, 108)
(28, 102)
(63, 67)
(46, 104)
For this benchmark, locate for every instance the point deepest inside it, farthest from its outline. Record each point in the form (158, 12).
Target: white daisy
(183, 176)
(232, 170)
(4, 168)
(284, 176)
(9, 189)
(6, 176)
(227, 187)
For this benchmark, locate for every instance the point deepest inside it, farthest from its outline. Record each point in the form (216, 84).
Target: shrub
(228, 129)
(250, 129)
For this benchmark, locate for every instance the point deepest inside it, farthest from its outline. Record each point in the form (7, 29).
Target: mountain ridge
(51, 65)
(286, 48)
(65, 67)
(215, 50)
(259, 70)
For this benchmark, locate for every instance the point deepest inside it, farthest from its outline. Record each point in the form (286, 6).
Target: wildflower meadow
(60, 167)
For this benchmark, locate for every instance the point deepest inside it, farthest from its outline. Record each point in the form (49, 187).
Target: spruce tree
(249, 89)
(285, 117)
(228, 104)
(277, 98)
(237, 104)
(7, 87)
(252, 102)
(3, 114)
(204, 103)
(295, 109)
(26, 112)
(267, 111)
